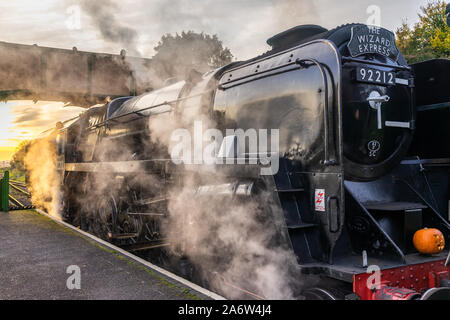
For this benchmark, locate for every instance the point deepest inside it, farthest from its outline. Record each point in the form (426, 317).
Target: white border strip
(404, 82)
(193, 286)
(397, 124)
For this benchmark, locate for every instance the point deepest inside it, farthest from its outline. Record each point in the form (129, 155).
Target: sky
(22, 120)
(137, 25)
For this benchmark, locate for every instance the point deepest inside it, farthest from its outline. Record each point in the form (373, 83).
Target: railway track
(19, 197)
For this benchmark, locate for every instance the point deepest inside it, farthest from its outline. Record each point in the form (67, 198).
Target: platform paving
(35, 253)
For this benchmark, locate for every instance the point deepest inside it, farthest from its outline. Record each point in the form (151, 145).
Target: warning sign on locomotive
(319, 199)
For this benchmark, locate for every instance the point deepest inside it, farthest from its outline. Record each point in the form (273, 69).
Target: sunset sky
(242, 25)
(21, 120)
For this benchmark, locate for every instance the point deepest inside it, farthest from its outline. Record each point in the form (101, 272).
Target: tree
(177, 54)
(18, 158)
(427, 39)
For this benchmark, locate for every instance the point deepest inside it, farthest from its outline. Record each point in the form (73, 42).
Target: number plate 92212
(364, 74)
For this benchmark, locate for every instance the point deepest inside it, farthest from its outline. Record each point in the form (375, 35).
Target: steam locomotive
(362, 167)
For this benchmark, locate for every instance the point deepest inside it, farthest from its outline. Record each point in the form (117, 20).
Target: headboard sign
(371, 39)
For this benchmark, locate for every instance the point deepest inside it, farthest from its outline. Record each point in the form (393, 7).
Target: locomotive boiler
(349, 191)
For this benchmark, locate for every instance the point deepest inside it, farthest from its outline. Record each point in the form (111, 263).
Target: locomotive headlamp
(375, 101)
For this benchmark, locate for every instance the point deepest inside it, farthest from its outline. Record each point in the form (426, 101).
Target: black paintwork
(305, 87)
(360, 123)
(433, 106)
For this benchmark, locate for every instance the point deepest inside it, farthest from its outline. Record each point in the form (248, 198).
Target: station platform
(36, 251)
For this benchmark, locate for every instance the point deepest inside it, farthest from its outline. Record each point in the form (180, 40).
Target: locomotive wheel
(318, 294)
(83, 222)
(126, 223)
(104, 218)
(436, 294)
(85, 217)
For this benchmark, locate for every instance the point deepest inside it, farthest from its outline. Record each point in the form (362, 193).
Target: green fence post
(4, 192)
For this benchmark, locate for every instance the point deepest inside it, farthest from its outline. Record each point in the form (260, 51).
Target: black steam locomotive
(361, 167)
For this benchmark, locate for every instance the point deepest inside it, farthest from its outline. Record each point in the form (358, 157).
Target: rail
(16, 187)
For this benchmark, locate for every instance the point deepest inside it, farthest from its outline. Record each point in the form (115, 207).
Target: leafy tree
(177, 54)
(17, 160)
(427, 39)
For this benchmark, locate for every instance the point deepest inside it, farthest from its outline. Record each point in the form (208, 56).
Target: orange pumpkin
(429, 241)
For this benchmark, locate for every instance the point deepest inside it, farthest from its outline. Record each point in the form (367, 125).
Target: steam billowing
(43, 178)
(236, 243)
(103, 16)
(233, 244)
(291, 13)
